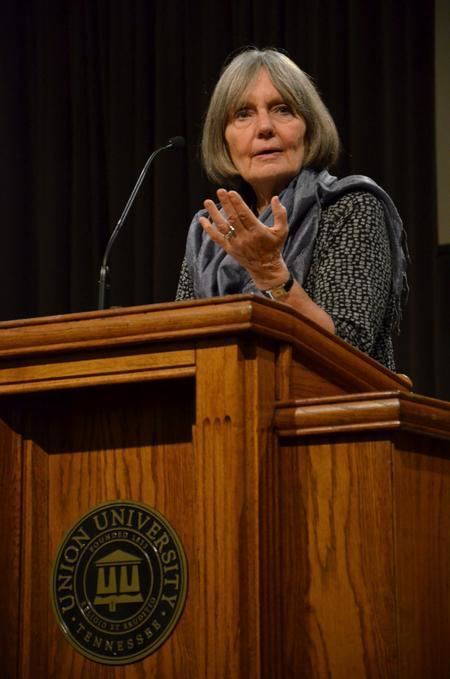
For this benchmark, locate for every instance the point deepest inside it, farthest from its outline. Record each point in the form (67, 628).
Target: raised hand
(255, 246)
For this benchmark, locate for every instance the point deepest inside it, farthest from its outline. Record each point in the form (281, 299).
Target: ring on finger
(230, 233)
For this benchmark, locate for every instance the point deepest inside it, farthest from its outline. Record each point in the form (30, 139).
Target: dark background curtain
(90, 87)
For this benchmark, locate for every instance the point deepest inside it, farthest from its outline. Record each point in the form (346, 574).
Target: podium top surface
(191, 321)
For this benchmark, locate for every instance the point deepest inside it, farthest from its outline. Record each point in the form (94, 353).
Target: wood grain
(89, 446)
(101, 446)
(327, 357)
(421, 475)
(308, 522)
(10, 537)
(363, 412)
(35, 562)
(54, 372)
(233, 411)
(338, 587)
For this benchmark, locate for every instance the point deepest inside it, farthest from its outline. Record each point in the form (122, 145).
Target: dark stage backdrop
(90, 87)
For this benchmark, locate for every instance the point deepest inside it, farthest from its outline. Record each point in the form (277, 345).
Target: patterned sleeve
(185, 288)
(350, 273)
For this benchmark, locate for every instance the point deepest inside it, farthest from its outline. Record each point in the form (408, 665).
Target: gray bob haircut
(321, 140)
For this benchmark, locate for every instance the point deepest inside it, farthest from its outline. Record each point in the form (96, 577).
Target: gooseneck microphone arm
(103, 283)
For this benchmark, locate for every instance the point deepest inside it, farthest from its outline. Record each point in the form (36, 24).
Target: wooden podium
(309, 487)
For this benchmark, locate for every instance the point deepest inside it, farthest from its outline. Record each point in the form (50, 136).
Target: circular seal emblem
(119, 582)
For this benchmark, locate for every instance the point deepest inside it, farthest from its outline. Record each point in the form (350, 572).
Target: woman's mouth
(267, 153)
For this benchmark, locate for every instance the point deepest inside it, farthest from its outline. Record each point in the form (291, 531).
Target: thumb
(279, 213)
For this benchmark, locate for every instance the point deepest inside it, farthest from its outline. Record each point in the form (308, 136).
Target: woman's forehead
(261, 80)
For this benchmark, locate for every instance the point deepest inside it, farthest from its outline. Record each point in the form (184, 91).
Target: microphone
(103, 283)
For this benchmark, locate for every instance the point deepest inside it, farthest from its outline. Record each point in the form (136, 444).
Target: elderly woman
(284, 228)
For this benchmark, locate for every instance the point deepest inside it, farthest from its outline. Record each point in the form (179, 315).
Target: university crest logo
(119, 582)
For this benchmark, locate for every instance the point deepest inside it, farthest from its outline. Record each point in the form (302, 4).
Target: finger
(217, 217)
(238, 211)
(227, 206)
(212, 231)
(221, 233)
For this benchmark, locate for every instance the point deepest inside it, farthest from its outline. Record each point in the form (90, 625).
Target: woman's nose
(264, 124)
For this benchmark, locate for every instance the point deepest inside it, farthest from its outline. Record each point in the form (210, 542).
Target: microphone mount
(104, 283)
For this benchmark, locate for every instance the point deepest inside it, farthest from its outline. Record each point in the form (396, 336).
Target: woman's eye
(283, 109)
(242, 113)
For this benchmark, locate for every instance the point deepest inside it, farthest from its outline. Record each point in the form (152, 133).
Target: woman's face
(265, 139)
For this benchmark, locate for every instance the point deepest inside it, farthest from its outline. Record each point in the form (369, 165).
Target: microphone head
(176, 142)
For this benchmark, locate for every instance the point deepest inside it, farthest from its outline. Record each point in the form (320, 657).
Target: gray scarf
(214, 273)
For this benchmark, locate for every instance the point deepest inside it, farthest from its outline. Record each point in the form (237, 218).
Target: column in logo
(118, 580)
